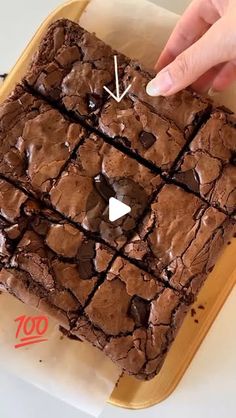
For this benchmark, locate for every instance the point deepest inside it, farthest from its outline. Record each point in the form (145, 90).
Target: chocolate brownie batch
(66, 148)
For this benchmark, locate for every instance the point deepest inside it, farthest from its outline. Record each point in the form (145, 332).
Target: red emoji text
(31, 330)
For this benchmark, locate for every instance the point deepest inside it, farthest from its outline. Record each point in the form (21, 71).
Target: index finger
(196, 20)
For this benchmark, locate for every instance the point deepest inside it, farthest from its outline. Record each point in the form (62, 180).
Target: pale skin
(201, 51)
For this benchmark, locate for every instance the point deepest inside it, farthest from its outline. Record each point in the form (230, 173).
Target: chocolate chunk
(233, 158)
(94, 101)
(147, 139)
(189, 178)
(85, 269)
(87, 250)
(103, 187)
(86, 256)
(139, 311)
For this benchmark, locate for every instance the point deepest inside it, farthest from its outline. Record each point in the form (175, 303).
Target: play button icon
(117, 209)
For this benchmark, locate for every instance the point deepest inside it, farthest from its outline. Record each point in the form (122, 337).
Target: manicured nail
(160, 85)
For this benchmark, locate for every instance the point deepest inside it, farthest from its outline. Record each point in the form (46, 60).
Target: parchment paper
(69, 370)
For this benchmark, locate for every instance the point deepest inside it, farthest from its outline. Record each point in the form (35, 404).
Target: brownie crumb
(196, 321)
(40, 361)
(201, 307)
(234, 235)
(229, 242)
(193, 312)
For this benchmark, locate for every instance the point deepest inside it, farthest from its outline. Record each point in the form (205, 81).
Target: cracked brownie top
(209, 165)
(99, 172)
(180, 238)
(72, 66)
(186, 109)
(55, 267)
(36, 140)
(133, 318)
(142, 131)
(15, 211)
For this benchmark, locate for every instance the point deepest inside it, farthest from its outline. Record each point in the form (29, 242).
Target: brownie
(15, 211)
(72, 66)
(123, 286)
(36, 141)
(180, 239)
(133, 318)
(98, 173)
(186, 109)
(208, 166)
(142, 131)
(55, 267)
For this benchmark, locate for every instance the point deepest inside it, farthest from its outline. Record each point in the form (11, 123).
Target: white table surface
(208, 388)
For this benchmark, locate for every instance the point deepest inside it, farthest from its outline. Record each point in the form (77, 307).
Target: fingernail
(212, 92)
(160, 85)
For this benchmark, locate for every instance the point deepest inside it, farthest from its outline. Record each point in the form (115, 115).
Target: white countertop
(209, 385)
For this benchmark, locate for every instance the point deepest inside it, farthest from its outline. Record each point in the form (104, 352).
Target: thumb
(211, 49)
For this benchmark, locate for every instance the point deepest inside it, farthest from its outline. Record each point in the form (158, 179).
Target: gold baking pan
(131, 393)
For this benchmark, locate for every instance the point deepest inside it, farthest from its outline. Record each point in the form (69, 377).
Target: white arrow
(117, 97)
(117, 209)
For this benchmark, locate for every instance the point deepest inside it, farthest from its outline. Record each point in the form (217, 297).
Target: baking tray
(131, 393)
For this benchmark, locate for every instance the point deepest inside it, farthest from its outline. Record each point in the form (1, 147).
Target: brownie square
(72, 67)
(55, 268)
(208, 166)
(15, 211)
(133, 318)
(186, 109)
(98, 173)
(142, 131)
(180, 239)
(36, 141)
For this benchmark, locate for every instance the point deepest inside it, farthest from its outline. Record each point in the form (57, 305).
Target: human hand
(201, 50)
